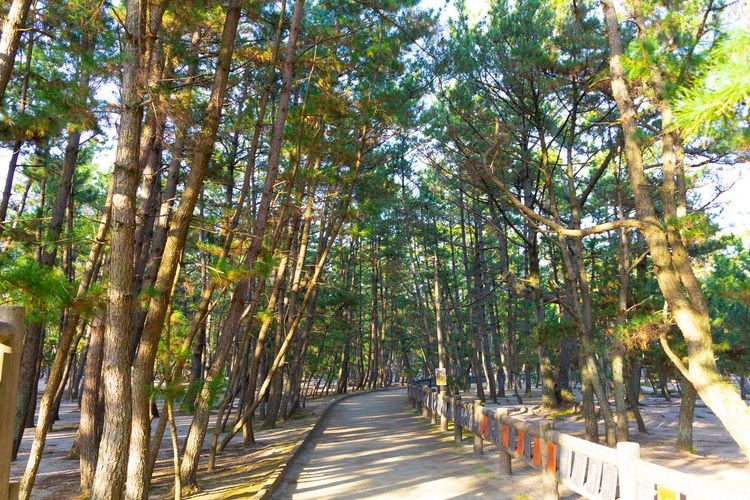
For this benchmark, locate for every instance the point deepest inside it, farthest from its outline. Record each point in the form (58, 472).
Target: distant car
(429, 382)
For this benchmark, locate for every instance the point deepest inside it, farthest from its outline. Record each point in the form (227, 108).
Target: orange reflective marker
(537, 457)
(519, 444)
(484, 426)
(551, 457)
(506, 436)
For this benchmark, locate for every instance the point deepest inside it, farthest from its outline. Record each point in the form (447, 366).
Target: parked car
(429, 381)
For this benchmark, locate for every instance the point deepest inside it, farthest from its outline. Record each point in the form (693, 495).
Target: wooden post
(549, 477)
(433, 413)
(627, 453)
(11, 346)
(478, 442)
(425, 401)
(504, 458)
(443, 417)
(457, 437)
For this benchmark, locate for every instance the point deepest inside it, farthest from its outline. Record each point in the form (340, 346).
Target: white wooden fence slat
(566, 464)
(579, 469)
(609, 482)
(593, 476)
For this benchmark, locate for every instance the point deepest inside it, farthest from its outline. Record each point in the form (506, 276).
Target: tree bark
(13, 163)
(142, 374)
(111, 470)
(687, 413)
(196, 434)
(10, 39)
(111, 467)
(673, 270)
(90, 425)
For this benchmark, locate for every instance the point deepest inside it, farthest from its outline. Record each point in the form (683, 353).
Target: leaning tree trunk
(197, 431)
(143, 366)
(13, 164)
(671, 264)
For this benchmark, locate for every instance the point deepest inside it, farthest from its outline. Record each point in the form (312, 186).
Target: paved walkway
(375, 446)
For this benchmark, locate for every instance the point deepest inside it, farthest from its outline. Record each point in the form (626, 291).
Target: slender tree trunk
(438, 318)
(325, 242)
(277, 383)
(481, 304)
(476, 345)
(90, 425)
(8, 190)
(196, 434)
(687, 413)
(618, 358)
(10, 40)
(348, 312)
(48, 256)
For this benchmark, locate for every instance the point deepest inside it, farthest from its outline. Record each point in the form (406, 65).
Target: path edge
(271, 484)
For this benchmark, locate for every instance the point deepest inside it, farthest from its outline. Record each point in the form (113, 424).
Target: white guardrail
(591, 470)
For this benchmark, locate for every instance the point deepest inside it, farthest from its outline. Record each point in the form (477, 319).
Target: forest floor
(240, 471)
(715, 456)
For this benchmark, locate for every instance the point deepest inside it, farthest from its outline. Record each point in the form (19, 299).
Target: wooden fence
(591, 470)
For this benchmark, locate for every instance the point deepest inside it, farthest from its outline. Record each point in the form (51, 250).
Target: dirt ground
(241, 471)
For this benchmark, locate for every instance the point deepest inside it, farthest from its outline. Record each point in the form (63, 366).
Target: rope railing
(591, 470)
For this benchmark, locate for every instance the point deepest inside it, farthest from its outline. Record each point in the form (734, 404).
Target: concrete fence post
(425, 401)
(457, 437)
(11, 346)
(422, 402)
(478, 412)
(627, 454)
(433, 412)
(443, 414)
(549, 477)
(504, 458)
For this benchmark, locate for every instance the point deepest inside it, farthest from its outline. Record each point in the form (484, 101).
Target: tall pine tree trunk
(111, 467)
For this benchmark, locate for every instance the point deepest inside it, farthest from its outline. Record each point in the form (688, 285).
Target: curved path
(375, 446)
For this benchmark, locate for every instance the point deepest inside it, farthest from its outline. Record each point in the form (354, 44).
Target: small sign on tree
(441, 377)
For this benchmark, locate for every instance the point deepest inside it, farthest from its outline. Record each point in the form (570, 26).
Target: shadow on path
(376, 446)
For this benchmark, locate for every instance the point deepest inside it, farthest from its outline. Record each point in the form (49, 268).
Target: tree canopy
(220, 209)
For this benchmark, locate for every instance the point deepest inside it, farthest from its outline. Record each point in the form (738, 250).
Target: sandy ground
(375, 446)
(240, 471)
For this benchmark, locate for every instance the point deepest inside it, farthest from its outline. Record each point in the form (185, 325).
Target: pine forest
(219, 214)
